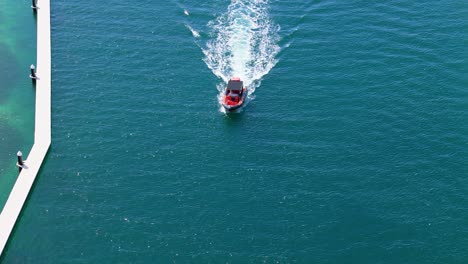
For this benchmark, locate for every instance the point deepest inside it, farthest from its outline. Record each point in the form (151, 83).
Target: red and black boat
(234, 95)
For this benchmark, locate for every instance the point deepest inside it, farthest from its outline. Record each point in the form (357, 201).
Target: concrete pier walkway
(42, 131)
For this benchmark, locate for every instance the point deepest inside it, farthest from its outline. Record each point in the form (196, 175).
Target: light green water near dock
(17, 53)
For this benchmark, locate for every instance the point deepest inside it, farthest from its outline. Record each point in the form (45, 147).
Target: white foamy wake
(244, 44)
(195, 33)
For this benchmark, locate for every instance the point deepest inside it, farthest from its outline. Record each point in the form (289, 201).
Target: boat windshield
(235, 85)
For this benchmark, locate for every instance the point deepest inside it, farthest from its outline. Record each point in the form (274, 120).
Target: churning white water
(244, 43)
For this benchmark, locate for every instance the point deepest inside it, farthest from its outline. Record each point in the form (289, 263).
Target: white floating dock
(42, 130)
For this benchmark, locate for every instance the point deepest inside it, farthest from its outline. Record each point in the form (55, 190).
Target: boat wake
(195, 33)
(244, 44)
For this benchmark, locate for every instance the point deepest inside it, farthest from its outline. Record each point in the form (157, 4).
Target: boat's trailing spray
(244, 44)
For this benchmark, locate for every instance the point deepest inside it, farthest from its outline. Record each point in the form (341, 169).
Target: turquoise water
(17, 53)
(352, 148)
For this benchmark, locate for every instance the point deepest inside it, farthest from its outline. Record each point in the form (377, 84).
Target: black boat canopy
(235, 85)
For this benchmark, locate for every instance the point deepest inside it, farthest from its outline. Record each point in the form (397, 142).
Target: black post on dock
(34, 5)
(20, 161)
(33, 73)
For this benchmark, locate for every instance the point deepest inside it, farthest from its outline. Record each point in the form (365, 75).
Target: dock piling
(20, 161)
(34, 5)
(33, 72)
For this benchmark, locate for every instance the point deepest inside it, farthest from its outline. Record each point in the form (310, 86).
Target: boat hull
(231, 108)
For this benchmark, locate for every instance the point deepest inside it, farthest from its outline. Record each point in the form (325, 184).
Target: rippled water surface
(17, 53)
(352, 148)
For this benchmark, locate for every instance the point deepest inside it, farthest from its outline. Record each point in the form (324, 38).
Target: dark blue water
(352, 148)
